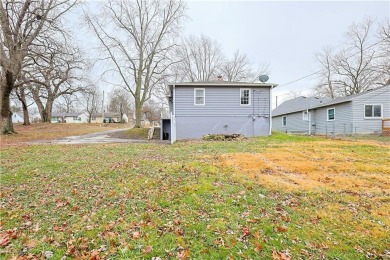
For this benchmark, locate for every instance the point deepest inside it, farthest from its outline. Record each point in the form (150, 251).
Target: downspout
(309, 115)
(270, 110)
(173, 116)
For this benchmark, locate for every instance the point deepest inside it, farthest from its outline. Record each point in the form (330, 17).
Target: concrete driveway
(106, 137)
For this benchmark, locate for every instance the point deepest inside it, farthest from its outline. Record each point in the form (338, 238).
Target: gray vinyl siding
(222, 112)
(376, 97)
(342, 124)
(295, 123)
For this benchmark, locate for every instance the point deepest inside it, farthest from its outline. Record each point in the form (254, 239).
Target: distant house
(109, 118)
(16, 118)
(68, 118)
(355, 114)
(218, 107)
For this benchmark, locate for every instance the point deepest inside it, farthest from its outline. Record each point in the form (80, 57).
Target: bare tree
(238, 68)
(55, 73)
(137, 37)
(21, 22)
(91, 100)
(355, 68)
(201, 59)
(66, 103)
(23, 95)
(383, 56)
(325, 84)
(120, 102)
(152, 111)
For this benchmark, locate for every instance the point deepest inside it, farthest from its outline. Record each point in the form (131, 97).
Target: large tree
(20, 24)
(56, 72)
(137, 37)
(201, 59)
(362, 63)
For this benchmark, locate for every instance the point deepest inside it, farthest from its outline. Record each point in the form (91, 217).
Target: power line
(307, 76)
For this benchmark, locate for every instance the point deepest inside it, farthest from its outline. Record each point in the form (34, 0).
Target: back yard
(279, 197)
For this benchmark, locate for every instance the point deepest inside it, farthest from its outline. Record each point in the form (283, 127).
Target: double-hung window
(372, 111)
(245, 97)
(284, 121)
(331, 114)
(199, 96)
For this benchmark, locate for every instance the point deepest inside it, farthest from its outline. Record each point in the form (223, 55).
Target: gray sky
(284, 34)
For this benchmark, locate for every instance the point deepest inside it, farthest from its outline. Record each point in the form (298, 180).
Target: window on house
(79, 118)
(331, 114)
(199, 96)
(75, 118)
(372, 111)
(305, 116)
(284, 121)
(93, 118)
(245, 97)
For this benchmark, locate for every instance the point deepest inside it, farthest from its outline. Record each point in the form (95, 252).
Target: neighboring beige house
(69, 118)
(109, 118)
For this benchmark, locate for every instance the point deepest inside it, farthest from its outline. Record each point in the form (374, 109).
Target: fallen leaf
(136, 235)
(147, 250)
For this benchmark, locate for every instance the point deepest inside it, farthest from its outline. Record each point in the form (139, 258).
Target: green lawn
(197, 200)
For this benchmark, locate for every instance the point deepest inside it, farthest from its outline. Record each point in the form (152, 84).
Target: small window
(305, 116)
(93, 118)
(331, 114)
(75, 118)
(372, 111)
(284, 121)
(245, 97)
(199, 96)
(79, 118)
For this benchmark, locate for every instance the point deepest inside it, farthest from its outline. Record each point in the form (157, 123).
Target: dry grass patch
(48, 131)
(329, 165)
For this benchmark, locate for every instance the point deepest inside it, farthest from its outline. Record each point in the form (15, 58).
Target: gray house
(218, 107)
(356, 114)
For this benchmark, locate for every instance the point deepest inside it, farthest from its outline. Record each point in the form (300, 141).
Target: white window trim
(303, 115)
(327, 114)
(204, 96)
(372, 117)
(250, 96)
(284, 125)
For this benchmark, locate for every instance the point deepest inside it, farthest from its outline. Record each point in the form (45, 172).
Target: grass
(275, 197)
(136, 133)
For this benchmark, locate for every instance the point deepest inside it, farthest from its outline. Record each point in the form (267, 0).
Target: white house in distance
(355, 114)
(218, 107)
(69, 118)
(16, 118)
(109, 117)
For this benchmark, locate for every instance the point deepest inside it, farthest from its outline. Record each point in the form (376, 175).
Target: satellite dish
(263, 78)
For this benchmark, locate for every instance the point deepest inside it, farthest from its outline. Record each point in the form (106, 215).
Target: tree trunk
(6, 114)
(49, 108)
(138, 113)
(22, 99)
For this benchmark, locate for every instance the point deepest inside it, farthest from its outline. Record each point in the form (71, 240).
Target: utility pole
(103, 108)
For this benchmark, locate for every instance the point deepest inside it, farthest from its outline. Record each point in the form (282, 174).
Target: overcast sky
(284, 34)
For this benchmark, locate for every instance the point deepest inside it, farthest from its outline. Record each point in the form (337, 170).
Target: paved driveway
(106, 137)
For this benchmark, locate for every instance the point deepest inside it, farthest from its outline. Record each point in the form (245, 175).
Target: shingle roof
(302, 103)
(65, 114)
(223, 83)
(298, 104)
(108, 114)
(348, 98)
